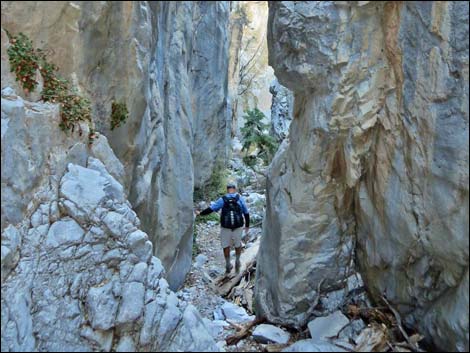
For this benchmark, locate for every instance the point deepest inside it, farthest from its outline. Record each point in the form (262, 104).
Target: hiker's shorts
(229, 237)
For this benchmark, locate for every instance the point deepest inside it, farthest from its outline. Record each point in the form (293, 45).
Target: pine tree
(255, 135)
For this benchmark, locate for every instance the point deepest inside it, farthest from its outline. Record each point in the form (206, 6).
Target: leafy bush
(74, 108)
(119, 114)
(55, 87)
(254, 136)
(25, 60)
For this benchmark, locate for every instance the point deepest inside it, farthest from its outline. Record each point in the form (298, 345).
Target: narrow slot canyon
(240, 176)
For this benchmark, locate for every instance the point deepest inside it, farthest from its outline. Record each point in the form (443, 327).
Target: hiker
(231, 223)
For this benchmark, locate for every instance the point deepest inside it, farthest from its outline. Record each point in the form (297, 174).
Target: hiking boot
(237, 266)
(228, 269)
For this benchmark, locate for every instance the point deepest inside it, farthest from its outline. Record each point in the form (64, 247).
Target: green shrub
(23, 60)
(55, 87)
(254, 136)
(119, 114)
(74, 108)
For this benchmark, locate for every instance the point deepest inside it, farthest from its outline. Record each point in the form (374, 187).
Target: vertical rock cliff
(254, 75)
(375, 172)
(282, 106)
(168, 61)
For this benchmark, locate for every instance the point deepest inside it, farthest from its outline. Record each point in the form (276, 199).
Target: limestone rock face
(253, 74)
(77, 272)
(281, 110)
(375, 169)
(168, 61)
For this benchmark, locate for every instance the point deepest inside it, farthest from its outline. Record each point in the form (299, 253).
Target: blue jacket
(217, 205)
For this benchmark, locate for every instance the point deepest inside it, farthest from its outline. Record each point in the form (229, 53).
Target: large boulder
(80, 282)
(77, 271)
(375, 170)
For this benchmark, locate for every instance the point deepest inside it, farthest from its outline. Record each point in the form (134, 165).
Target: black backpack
(231, 216)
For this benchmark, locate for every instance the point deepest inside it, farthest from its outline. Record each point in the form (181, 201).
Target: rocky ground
(341, 320)
(221, 314)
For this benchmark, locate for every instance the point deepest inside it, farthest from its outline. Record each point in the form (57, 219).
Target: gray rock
(138, 243)
(358, 154)
(104, 339)
(126, 344)
(121, 296)
(331, 301)
(235, 313)
(11, 241)
(219, 315)
(139, 273)
(193, 334)
(281, 110)
(85, 199)
(325, 327)
(352, 330)
(215, 327)
(64, 233)
(132, 302)
(313, 345)
(102, 307)
(200, 260)
(265, 333)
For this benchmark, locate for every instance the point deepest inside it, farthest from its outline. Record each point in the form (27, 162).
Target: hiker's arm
(217, 205)
(214, 207)
(247, 220)
(246, 213)
(207, 211)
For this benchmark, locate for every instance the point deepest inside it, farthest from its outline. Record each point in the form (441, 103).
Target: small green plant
(23, 60)
(119, 114)
(74, 108)
(255, 136)
(55, 87)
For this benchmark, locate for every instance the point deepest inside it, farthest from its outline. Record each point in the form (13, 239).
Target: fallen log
(413, 345)
(225, 284)
(237, 337)
(275, 347)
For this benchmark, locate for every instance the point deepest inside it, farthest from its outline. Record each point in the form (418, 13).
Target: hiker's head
(231, 188)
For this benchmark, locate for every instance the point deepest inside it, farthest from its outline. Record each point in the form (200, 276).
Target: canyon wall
(254, 75)
(374, 174)
(77, 271)
(168, 61)
(282, 106)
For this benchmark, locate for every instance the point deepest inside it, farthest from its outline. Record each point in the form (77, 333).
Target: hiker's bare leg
(228, 266)
(238, 252)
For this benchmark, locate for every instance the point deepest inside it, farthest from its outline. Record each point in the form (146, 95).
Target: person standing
(234, 215)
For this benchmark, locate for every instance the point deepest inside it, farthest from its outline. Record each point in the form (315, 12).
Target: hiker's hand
(197, 212)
